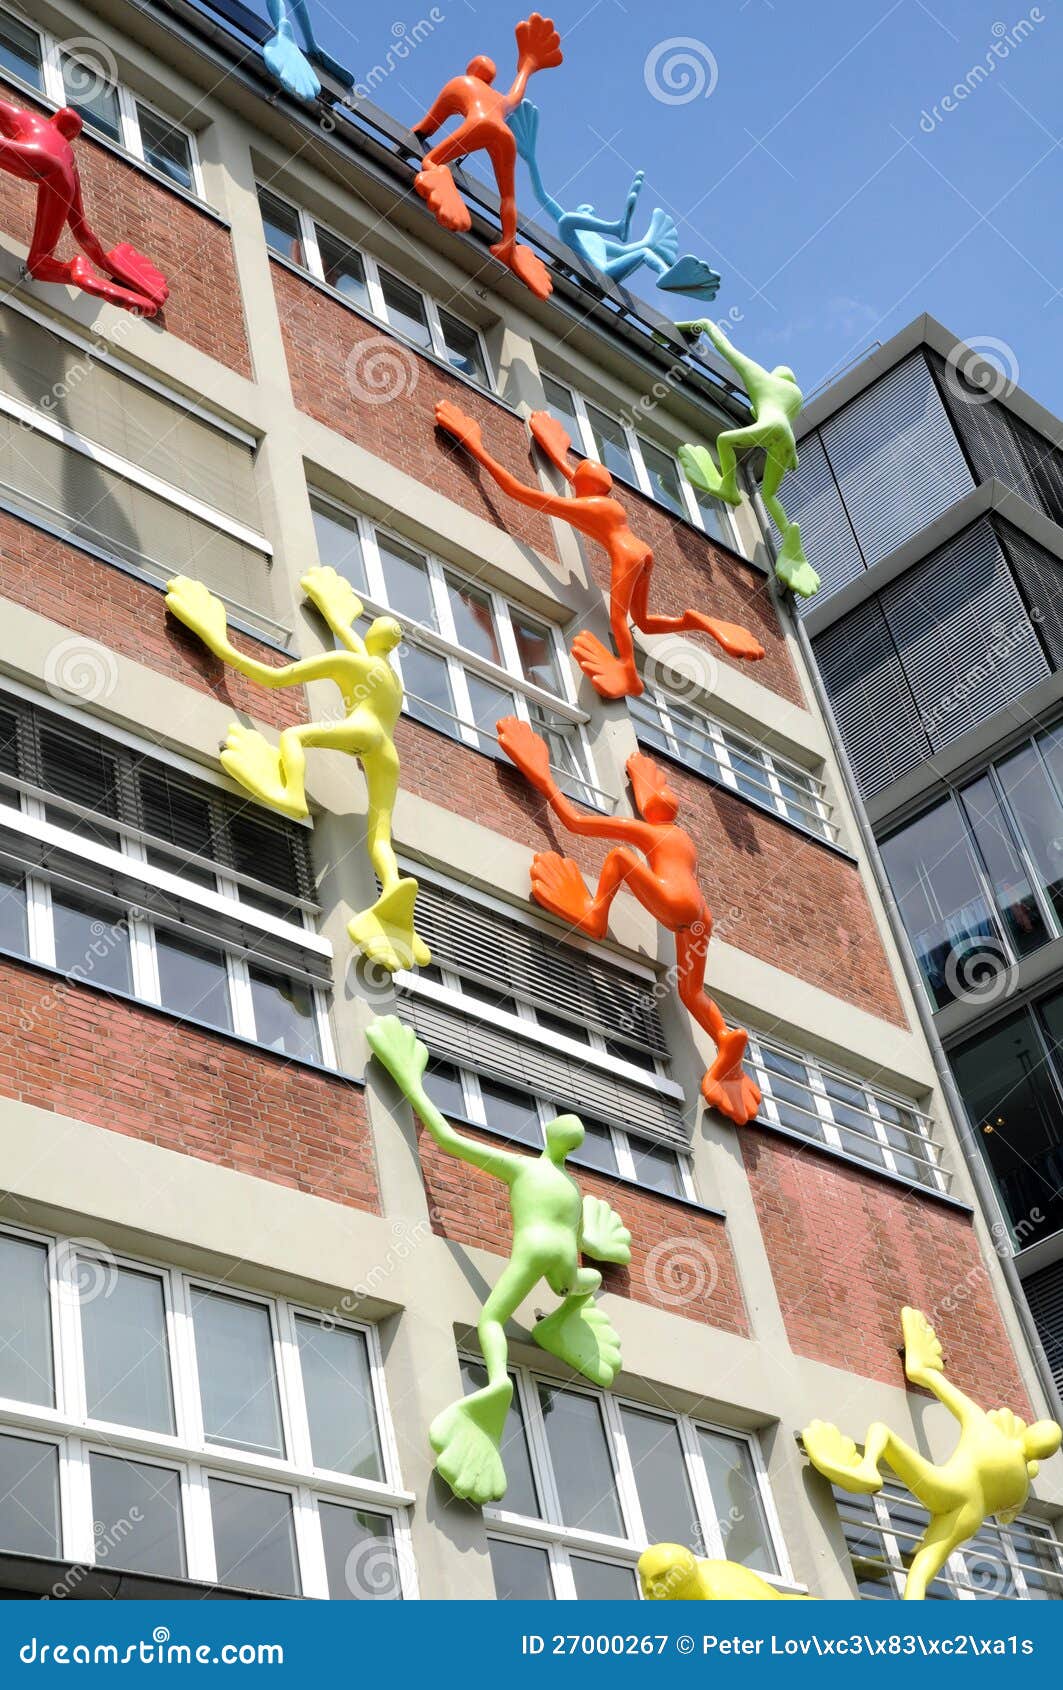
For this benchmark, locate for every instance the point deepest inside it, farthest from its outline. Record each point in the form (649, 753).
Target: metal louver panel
(453, 1036)
(1044, 1293)
(1041, 579)
(876, 714)
(481, 944)
(896, 458)
(1001, 445)
(810, 497)
(964, 637)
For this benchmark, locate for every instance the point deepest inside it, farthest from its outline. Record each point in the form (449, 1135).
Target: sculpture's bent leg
(580, 1334)
(614, 676)
(791, 565)
(725, 1086)
(274, 775)
(437, 187)
(525, 264)
(944, 1534)
(385, 933)
(731, 638)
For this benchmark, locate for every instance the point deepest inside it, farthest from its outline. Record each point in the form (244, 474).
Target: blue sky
(814, 175)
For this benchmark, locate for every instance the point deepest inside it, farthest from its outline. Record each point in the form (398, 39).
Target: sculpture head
(563, 1136)
(591, 480)
(586, 209)
(669, 1573)
(68, 123)
(482, 68)
(383, 636)
(654, 798)
(784, 373)
(1039, 1441)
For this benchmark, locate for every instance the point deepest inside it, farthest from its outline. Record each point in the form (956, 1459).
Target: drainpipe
(976, 1167)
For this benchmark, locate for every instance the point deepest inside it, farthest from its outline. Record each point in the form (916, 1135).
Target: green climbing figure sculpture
(776, 401)
(552, 1226)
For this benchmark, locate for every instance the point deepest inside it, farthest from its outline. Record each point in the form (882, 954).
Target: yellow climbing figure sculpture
(372, 700)
(670, 1573)
(988, 1472)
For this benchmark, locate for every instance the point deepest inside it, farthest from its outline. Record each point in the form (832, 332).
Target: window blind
(1044, 1293)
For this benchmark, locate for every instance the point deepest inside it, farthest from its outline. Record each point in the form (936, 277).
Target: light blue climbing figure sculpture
(606, 246)
(285, 59)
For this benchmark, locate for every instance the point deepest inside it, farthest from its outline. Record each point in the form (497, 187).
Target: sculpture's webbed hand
(400, 1051)
(334, 596)
(199, 609)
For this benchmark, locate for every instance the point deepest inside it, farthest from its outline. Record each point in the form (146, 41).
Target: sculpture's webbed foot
(526, 265)
(792, 566)
(700, 467)
(735, 640)
(691, 276)
(726, 1086)
(608, 674)
(580, 1335)
(386, 934)
(439, 191)
(256, 764)
(922, 1346)
(836, 1456)
(559, 887)
(467, 1438)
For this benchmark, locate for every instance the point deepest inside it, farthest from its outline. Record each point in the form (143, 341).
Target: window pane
(603, 1581)
(611, 441)
(20, 51)
(463, 348)
(13, 932)
(736, 1497)
(405, 309)
(597, 1150)
(714, 516)
(95, 100)
(511, 1112)
(789, 1085)
(1014, 1104)
(875, 1573)
(360, 1555)
(663, 472)
(254, 1538)
(166, 148)
(474, 620)
(123, 1333)
(656, 1168)
(136, 1512)
(237, 1377)
(339, 544)
(1012, 891)
(339, 1400)
(25, 1322)
(580, 1456)
(91, 942)
(561, 405)
(538, 657)
(443, 1085)
(856, 1129)
(285, 1016)
(668, 1509)
(280, 225)
(932, 870)
(29, 1496)
(521, 1495)
(406, 582)
(429, 696)
(489, 705)
(193, 980)
(1038, 812)
(343, 268)
(522, 1572)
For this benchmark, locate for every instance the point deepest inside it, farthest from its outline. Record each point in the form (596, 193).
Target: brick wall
(193, 251)
(129, 617)
(681, 1259)
(334, 358)
(79, 1052)
(848, 1251)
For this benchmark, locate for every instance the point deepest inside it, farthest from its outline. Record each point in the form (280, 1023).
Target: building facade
(239, 1281)
(934, 487)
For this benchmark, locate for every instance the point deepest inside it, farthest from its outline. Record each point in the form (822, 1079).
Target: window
(470, 656)
(520, 1024)
(414, 316)
(593, 1479)
(107, 109)
(836, 1109)
(765, 778)
(140, 879)
(979, 878)
(638, 462)
(1021, 1561)
(203, 1431)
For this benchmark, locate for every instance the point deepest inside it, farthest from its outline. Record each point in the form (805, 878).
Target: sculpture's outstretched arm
(338, 603)
(523, 746)
(525, 126)
(405, 1058)
(467, 432)
(538, 48)
(198, 608)
(10, 116)
(749, 371)
(444, 105)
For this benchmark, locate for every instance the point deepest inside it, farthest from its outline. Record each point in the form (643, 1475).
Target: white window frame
(562, 1541)
(881, 1153)
(443, 642)
(129, 140)
(186, 1450)
(776, 767)
(308, 239)
(587, 446)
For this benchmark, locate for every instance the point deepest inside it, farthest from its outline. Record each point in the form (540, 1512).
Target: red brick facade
(193, 251)
(681, 1259)
(79, 1052)
(848, 1251)
(129, 617)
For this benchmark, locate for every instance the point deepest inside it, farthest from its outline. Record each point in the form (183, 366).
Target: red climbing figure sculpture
(666, 885)
(483, 128)
(39, 148)
(594, 513)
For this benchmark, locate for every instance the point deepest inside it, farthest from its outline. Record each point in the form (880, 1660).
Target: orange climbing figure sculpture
(483, 127)
(35, 147)
(666, 885)
(594, 513)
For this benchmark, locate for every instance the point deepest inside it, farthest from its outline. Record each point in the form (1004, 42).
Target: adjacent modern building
(237, 1282)
(931, 489)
